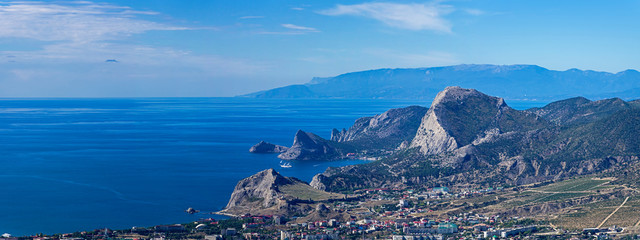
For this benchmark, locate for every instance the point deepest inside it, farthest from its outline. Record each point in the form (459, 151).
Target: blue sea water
(82, 164)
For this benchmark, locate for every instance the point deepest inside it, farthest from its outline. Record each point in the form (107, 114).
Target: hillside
(268, 192)
(469, 138)
(368, 136)
(511, 82)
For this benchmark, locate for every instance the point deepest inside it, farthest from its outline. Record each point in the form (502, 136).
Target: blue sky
(209, 48)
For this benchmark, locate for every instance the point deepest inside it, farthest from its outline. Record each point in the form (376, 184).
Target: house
(229, 231)
(170, 228)
(213, 237)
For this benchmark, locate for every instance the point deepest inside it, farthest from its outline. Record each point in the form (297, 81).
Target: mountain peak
(308, 146)
(303, 138)
(458, 117)
(452, 94)
(262, 185)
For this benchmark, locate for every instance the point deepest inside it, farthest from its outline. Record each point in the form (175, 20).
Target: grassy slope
(306, 192)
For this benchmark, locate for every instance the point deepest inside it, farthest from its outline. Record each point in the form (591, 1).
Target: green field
(574, 185)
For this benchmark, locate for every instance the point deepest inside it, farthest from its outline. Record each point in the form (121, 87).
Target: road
(614, 212)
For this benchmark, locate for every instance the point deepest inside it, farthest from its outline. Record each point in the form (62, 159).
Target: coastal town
(382, 213)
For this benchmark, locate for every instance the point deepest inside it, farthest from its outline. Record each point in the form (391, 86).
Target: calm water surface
(81, 164)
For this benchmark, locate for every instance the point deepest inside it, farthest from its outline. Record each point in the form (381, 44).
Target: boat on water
(285, 164)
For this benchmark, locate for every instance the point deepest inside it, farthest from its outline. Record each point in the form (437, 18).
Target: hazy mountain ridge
(526, 82)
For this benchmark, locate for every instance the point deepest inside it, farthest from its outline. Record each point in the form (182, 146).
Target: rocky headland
(265, 147)
(270, 193)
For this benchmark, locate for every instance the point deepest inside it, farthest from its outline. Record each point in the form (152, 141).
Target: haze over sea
(81, 164)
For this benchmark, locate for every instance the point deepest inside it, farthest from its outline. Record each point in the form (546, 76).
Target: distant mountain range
(511, 82)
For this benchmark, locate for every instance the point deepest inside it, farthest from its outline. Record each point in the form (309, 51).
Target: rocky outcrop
(317, 182)
(262, 193)
(432, 138)
(259, 190)
(269, 193)
(384, 131)
(308, 146)
(459, 117)
(265, 147)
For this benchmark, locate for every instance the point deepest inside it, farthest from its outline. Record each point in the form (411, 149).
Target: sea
(70, 165)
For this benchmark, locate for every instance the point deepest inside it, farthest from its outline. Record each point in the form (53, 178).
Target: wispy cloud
(251, 17)
(78, 22)
(474, 12)
(75, 39)
(292, 30)
(302, 28)
(406, 16)
(297, 8)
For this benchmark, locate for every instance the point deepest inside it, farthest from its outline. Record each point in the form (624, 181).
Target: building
(285, 235)
(229, 231)
(333, 223)
(418, 230)
(322, 236)
(278, 220)
(508, 232)
(170, 228)
(441, 190)
(447, 228)
(405, 237)
(213, 237)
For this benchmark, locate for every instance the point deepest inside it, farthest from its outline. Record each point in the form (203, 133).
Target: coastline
(224, 213)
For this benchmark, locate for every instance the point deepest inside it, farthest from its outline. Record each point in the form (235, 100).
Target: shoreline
(224, 213)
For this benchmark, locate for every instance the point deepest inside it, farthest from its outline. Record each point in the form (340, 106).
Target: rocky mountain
(527, 82)
(308, 146)
(459, 117)
(384, 131)
(268, 192)
(261, 189)
(388, 131)
(467, 137)
(265, 147)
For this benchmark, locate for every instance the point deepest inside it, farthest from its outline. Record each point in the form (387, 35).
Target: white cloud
(302, 28)
(297, 8)
(407, 16)
(135, 55)
(474, 12)
(78, 22)
(251, 17)
(76, 38)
